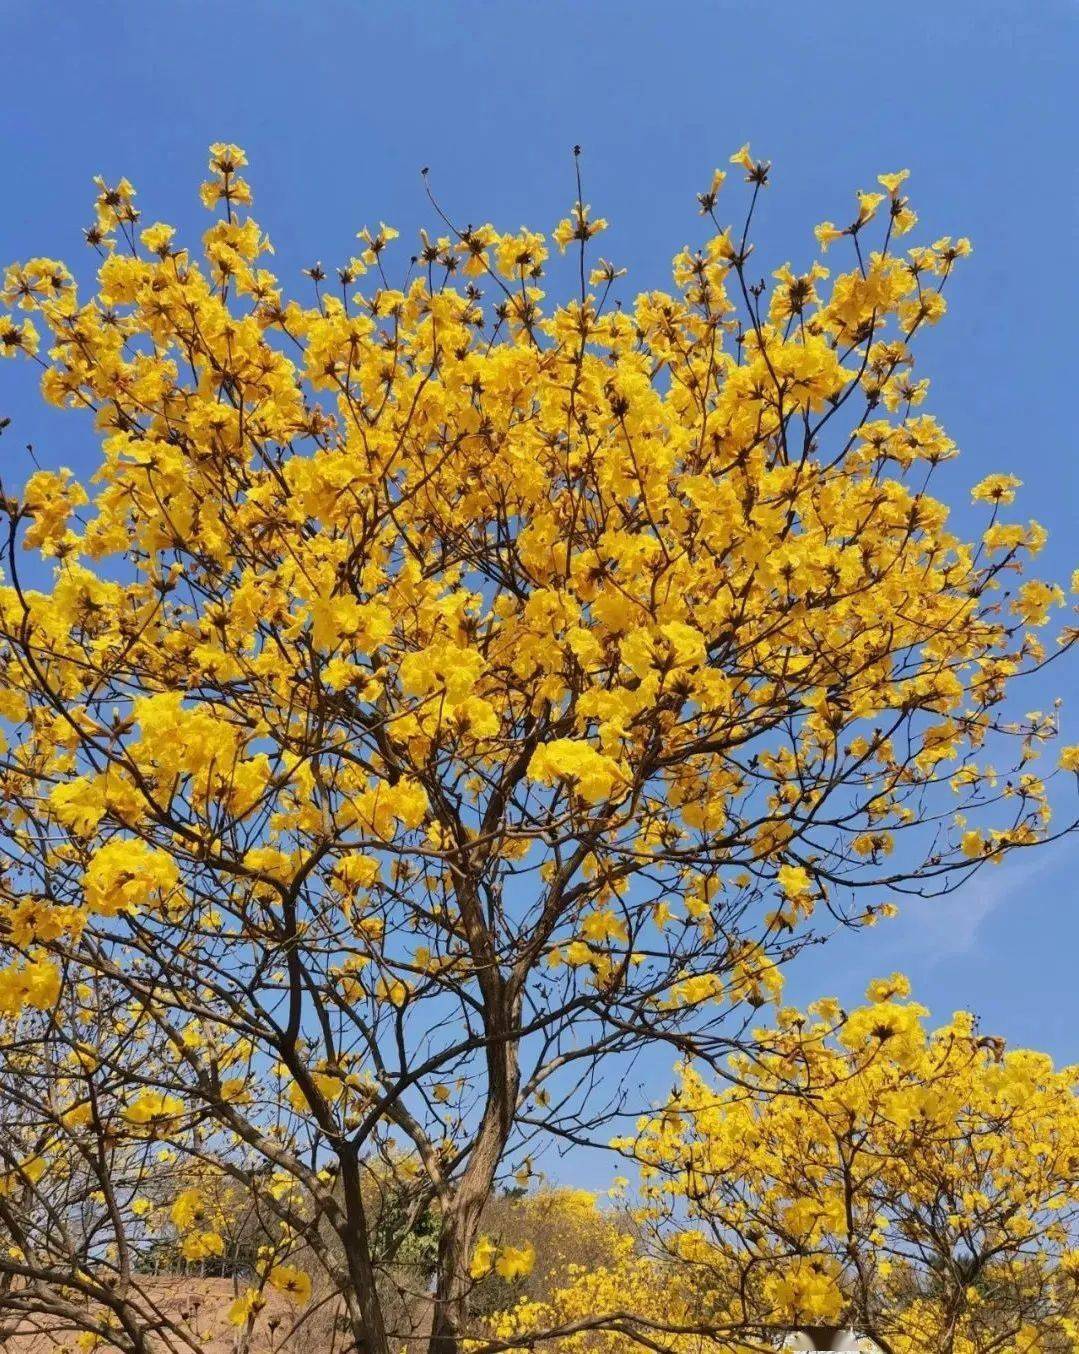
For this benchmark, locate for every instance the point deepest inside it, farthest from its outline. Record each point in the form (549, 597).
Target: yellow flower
(793, 880)
(202, 1245)
(246, 1307)
(827, 234)
(16, 338)
(188, 1208)
(886, 989)
(483, 1257)
(294, 1283)
(973, 844)
(996, 489)
(600, 927)
(593, 775)
(157, 237)
(515, 1262)
(742, 157)
(867, 206)
(35, 983)
(125, 875)
(893, 182)
(154, 1109)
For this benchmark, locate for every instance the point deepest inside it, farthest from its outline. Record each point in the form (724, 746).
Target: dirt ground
(200, 1305)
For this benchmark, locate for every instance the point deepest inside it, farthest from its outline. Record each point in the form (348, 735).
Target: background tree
(441, 701)
(558, 1231)
(860, 1171)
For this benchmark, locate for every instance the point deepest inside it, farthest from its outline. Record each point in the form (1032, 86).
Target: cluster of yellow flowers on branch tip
(508, 1262)
(34, 984)
(288, 1279)
(434, 676)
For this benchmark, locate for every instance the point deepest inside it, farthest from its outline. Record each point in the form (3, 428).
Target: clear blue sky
(339, 103)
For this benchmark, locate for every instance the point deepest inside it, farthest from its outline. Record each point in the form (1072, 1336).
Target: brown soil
(200, 1306)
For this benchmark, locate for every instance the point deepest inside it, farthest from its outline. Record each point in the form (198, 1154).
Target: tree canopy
(442, 696)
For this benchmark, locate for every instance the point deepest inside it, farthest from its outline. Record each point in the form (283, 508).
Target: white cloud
(948, 926)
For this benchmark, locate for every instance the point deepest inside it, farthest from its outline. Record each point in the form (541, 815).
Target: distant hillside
(200, 1304)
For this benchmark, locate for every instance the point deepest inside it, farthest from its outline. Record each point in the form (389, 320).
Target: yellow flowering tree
(860, 1170)
(439, 692)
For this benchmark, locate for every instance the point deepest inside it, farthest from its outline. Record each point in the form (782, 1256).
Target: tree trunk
(460, 1224)
(369, 1334)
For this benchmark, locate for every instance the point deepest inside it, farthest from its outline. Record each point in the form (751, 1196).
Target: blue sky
(339, 103)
